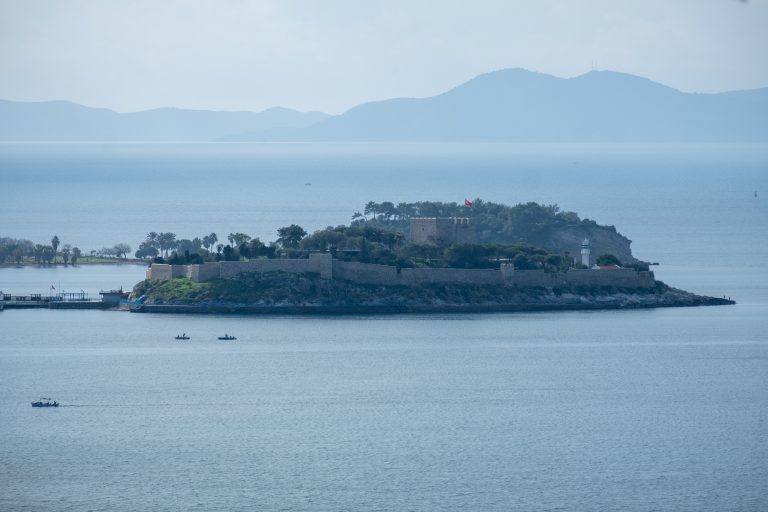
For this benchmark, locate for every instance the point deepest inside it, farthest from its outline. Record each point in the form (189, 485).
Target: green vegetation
(495, 223)
(608, 259)
(20, 251)
(380, 234)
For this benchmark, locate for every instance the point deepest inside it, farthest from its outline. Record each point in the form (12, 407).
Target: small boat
(227, 337)
(182, 337)
(45, 402)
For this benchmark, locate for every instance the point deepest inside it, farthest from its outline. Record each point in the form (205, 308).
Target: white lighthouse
(585, 252)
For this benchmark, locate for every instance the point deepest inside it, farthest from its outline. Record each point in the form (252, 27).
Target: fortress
(442, 231)
(366, 273)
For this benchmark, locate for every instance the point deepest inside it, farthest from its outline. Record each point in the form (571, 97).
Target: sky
(331, 55)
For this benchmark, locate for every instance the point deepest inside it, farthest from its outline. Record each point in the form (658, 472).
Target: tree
(212, 239)
(468, 256)
(55, 244)
(323, 240)
(65, 251)
(426, 250)
(152, 240)
(48, 255)
(191, 246)
(229, 253)
(608, 259)
(146, 251)
(290, 236)
(256, 247)
(387, 209)
(167, 242)
(76, 253)
(39, 253)
(121, 250)
(238, 239)
(522, 262)
(371, 208)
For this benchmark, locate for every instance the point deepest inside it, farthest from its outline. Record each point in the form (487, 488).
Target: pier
(64, 300)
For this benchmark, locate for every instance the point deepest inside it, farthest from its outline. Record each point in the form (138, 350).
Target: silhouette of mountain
(66, 121)
(509, 105)
(522, 106)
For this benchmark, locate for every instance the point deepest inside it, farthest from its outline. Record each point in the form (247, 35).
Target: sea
(647, 410)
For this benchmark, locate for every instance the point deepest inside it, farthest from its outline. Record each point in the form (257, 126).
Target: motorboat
(181, 336)
(45, 402)
(227, 337)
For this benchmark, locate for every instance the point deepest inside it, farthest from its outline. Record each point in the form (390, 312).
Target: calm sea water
(616, 410)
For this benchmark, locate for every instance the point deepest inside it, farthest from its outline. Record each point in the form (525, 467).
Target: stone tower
(585, 252)
(442, 230)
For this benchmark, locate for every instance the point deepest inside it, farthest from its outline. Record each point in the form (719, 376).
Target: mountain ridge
(506, 105)
(516, 105)
(62, 120)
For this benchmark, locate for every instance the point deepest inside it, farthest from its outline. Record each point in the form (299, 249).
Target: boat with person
(227, 337)
(182, 336)
(45, 402)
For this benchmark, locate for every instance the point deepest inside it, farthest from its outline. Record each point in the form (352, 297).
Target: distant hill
(522, 106)
(66, 121)
(511, 105)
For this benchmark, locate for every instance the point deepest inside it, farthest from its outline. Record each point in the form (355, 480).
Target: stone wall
(159, 272)
(318, 263)
(413, 276)
(624, 277)
(366, 273)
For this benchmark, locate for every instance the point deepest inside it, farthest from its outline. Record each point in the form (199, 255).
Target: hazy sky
(333, 54)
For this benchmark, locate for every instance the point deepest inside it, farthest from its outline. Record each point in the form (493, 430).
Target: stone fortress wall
(366, 273)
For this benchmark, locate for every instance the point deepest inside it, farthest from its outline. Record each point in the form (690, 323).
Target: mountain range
(66, 121)
(511, 105)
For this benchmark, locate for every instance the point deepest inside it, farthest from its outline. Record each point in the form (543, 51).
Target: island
(415, 258)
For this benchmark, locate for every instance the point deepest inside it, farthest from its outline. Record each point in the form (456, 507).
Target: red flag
(468, 203)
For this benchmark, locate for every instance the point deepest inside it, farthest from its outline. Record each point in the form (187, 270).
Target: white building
(585, 252)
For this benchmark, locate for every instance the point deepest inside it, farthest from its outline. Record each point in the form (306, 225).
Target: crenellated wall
(366, 273)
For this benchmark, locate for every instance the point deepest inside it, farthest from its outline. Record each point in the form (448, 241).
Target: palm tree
(39, 253)
(55, 244)
(75, 254)
(152, 240)
(166, 241)
(65, 251)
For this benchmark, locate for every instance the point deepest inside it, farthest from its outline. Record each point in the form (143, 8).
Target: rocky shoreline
(306, 294)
